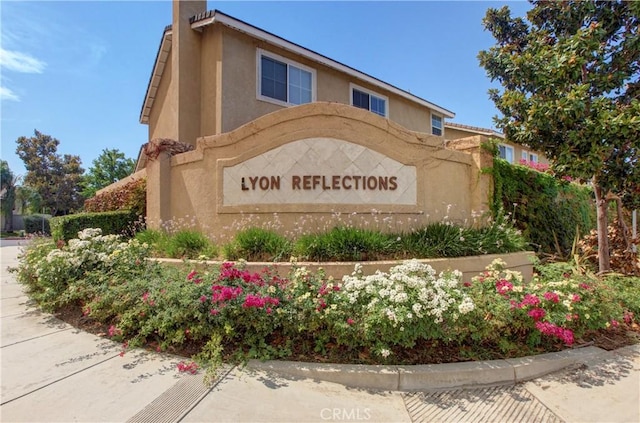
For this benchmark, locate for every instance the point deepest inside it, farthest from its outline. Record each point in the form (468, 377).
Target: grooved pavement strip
(496, 404)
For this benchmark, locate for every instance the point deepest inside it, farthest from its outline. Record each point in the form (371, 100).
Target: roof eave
(156, 74)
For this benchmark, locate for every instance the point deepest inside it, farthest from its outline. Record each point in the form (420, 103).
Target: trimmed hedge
(37, 224)
(131, 196)
(114, 222)
(547, 210)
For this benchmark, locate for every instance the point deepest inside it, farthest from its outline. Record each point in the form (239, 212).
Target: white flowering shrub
(48, 270)
(382, 310)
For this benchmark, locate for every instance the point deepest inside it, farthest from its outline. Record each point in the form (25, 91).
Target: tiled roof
(472, 128)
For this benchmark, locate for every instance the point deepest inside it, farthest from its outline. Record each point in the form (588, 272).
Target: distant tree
(8, 182)
(28, 200)
(55, 178)
(109, 167)
(570, 81)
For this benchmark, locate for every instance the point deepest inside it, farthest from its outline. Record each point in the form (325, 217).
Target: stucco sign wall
(319, 171)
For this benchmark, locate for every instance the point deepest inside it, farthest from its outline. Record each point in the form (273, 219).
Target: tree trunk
(604, 264)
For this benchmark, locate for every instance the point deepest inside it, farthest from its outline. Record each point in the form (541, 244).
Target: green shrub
(37, 223)
(344, 244)
(187, 244)
(547, 210)
(115, 222)
(257, 244)
(446, 240)
(48, 271)
(131, 196)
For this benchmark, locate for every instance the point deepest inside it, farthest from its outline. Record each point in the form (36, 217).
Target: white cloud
(20, 62)
(7, 94)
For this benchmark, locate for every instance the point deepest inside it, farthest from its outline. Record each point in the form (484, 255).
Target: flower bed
(409, 314)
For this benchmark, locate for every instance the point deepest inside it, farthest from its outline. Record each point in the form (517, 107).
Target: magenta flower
(575, 298)
(552, 296)
(536, 314)
(566, 335)
(350, 321)
(503, 286)
(530, 300)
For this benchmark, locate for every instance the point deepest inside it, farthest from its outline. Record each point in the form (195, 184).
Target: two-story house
(214, 73)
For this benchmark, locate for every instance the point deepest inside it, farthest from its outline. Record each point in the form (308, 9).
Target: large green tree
(570, 77)
(8, 185)
(55, 178)
(109, 167)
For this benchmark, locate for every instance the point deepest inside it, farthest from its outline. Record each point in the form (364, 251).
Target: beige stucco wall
(189, 186)
(162, 123)
(455, 134)
(239, 98)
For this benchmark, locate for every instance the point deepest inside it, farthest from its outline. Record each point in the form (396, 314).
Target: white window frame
(353, 86)
(432, 115)
(529, 156)
(507, 147)
(259, 53)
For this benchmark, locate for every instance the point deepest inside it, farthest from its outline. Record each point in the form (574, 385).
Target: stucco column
(480, 181)
(159, 190)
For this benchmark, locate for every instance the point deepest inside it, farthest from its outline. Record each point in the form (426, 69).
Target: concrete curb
(432, 376)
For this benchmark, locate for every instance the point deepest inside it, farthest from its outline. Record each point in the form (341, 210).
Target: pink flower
(188, 367)
(350, 321)
(552, 296)
(530, 300)
(113, 331)
(503, 286)
(615, 323)
(214, 311)
(191, 275)
(575, 298)
(145, 297)
(566, 335)
(628, 317)
(536, 314)
(203, 299)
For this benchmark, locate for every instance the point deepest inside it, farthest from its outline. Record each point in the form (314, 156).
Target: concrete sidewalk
(53, 372)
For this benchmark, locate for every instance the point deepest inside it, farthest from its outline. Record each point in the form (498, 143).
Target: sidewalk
(53, 372)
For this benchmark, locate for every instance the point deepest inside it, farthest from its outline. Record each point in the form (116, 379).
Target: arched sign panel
(319, 171)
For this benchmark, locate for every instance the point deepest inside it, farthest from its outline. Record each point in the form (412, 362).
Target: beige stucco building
(284, 134)
(511, 152)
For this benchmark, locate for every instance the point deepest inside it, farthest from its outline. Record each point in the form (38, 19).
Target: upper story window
(506, 152)
(283, 81)
(436, 125)
(529, 156)
(369, 100)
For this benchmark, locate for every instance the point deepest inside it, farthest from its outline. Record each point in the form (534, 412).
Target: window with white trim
(506, 152)
(283, 81)
(365, 99)
(529, 156)
(436, 125)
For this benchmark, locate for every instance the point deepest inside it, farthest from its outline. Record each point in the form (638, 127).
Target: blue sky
(78, 71)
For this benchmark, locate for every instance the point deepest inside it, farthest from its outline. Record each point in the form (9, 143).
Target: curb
(432, 376)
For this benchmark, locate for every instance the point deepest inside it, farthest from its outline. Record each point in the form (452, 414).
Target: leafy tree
(109, 167)
(55, 178)
(570, 77)
(8, 182)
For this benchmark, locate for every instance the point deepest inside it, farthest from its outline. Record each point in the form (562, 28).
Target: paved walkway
(51, 372)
